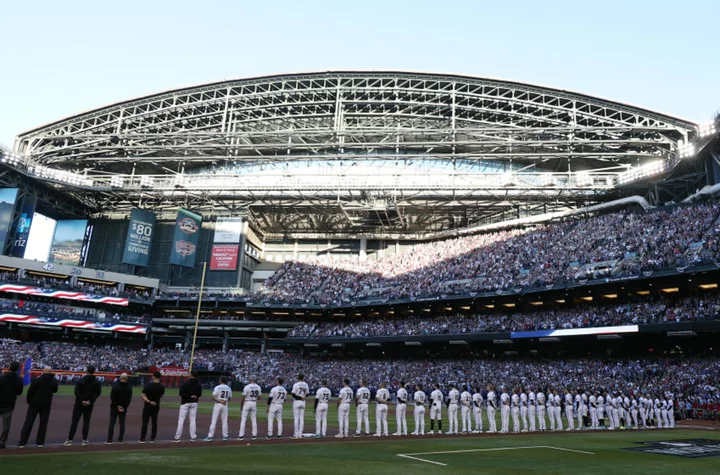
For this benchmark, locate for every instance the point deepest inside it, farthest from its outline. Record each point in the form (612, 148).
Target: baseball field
(694, 449)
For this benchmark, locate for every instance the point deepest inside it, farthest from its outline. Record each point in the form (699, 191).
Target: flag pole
(197, 316)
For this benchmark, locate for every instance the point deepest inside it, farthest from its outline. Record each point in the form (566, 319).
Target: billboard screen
(40, 238)
(67, 242)
(224, 257)
(8, 196)
(139, 238)
(185, 241)
(22, 233)
(228, 230)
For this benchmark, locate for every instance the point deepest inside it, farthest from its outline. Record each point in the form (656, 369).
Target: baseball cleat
(67, 443)
(84, 443)
(208, 439)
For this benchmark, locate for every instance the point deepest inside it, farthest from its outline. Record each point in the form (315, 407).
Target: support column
(363, 248)
(226, 340)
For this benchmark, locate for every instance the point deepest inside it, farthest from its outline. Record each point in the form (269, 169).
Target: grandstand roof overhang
(452, 151)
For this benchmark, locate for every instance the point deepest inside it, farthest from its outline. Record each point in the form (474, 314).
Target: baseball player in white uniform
(551, 409)
(532, 408)
(322, 399)
(419, 398)
(477, 402)
(541, 409)
(362, 399)
(594, 421)
(524, 410)
(251, 394)
(601, 411)
(344, 400)
(505, 412)
(634, 411)
(491, 408)
(300, 391)
(274, 410)
(436, 402)
(671, 410)
(382, 396)
(515, 410)
(465, 410)
(401, 410)
(221, 395)
(569, 413)
(453, 400)
(579, 411)
(557, 409)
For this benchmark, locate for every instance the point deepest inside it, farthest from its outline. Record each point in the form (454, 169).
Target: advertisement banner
(224, 257)
(185, 241)
(22, 233)
(228, 230)
(8, 196)
(68, 241)
(139, 238)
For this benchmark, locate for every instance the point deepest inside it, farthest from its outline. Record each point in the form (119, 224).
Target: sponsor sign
(228, 230)
(139, 238)
(224, 257)
(687, 448)
(187, 233)
(22, 233)
(8, 196)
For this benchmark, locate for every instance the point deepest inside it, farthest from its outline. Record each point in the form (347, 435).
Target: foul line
(412, 456)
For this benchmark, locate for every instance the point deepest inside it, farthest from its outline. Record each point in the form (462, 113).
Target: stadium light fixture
(708, 286)
(147, 181)
(670, 290)
(546, 179)
(708, 128)
(643, 171)
(686, 150)
(583, 179)
(490, 306)
(643, 292)
(587, 299)
(117, 181)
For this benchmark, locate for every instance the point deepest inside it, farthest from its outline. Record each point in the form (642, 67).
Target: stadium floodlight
(117, 181)
(147, 181)
(643, 171)
(708, 128)
(583, 179)
(546, 179)
(686, 150)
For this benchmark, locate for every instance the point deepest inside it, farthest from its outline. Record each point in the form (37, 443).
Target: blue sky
(61, 58)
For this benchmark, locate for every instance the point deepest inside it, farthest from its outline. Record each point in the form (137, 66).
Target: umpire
(11, 387)
(120, 397)
(87, 390)
(39, 400)
(151, 394)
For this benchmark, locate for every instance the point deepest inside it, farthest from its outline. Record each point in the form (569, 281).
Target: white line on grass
(496, 449)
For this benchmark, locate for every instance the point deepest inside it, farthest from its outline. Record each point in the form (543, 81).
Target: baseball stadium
(361, 272)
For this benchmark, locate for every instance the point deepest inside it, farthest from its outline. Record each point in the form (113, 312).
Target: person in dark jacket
(87, 390)
(39, 400)
(151, 395)
(11, 387)
(120, 397)
(190, 392)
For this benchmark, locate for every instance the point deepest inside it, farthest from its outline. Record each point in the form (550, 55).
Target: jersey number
(254, 393)
(223, 394)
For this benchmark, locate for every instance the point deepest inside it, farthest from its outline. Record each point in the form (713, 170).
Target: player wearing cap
(569, 413)
(601, 410)
(524, 410)
(532, 408)
(362, 399)
(541, 409)
(551, 409)
(401, 410)
(382, 396)
(477, 403)
(491, 408)
(300, 391)
(419, 398)
(436, 403)
(594, 424)
(322, 398)
(453, 400)
(221, 395)
(505, 411)
(248, 405)
(671, 410)
(557, 409)
(345, 397)
(465, 408)
(274, 409)
(515, 410)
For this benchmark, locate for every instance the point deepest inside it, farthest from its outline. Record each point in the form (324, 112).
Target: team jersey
(278, 394)
(578, 400)
(557, 400)
(523, 400)
(419, 398)
(634, 404)
(402, 396)
(454, 396)
(251, 392)
(222, 392)
(532, 399)
(301, 389)
(505, 399)
(657, 404)
(593, 401)
(491, 401)
(466, 398)
(477, 400)
(346, 395)
(363, 395)
(437, 397)
(600, 401)
(540, 398)
(323, 395)
(382, 396)
(626, 403)
(568, 400)
(515, 400)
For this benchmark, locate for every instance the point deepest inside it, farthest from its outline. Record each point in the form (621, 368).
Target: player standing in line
(453, 400)
(532, 408)
(381, 411)
(541, 408)
(274, 409)
(593, 412)
(344, 399)
(491, 408)
(362, 399)
(551, 409)
(671, 410)
(615, 411)
(221, 395)
(569, 415)
(601, 411)
(436, 403)
(524, 410)
(664, 413)
(401, 410)
(557, 401)
(322, 398)
(465, 406)
(505, 411)
(477, 400)
(634, 411)
(300, 391)
(515, 410)
(419, 398)
(642, 410)
(625, 412)
(190, 393)
(579, 409)
(248, 405)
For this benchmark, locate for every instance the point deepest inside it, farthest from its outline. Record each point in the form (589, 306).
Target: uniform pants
(321, 419)
(634, 414)
(120, 417)
(601, 415)
(381, 419)
(558, 418)
(86, 413)
(362, 416)
(453, 419)
(344, 419)
(594, 421)
(220, 411)
(551, 416)
(401, 418)
(541, 417)
(436, 412)
(579, 416)
(615, 418)
(505, 418)
(477, 412)
(515, 411)
(643, 416)
(465, 417)
(666, 420)
(492, 423)
(187, 411)
(249, 410)
(33, 412)
(524, 417)
(419, 420)
(275, 414)
(532, 412)
(6, 416)
(570, 415)
(299, 418)
(149, 413)
(671, 417)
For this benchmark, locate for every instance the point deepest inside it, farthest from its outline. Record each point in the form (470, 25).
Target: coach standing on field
(120, 397)
(39, 400)
(190, 393)
(87, 390)
(151, 395)
(11, 387)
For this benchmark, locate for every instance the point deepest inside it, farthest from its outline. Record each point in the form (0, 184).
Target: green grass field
(537, 454)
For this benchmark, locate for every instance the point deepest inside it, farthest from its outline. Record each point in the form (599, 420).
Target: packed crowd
(662, 311)
(58, 311)
(616, 244)
(64, 283)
